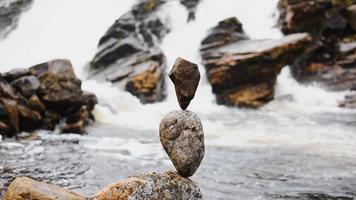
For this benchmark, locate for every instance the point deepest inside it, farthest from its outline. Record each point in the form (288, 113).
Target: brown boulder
(145, 81)
(43, 96)
(185, 76)
(243, 72)
(24, 188)
(129, 53)
(26, 85)
(166, 186)
(351, 16)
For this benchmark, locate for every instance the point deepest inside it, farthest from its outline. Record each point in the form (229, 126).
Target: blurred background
(277, 105)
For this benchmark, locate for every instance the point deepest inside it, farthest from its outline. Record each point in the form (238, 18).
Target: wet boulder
(129, 54)
(351, 16)
(15, 74)
(26, 85)
(331, 23)
(316, 17)
(165, 186)
(24, 188)
(10, 12)
(243, 72)
(42, 97)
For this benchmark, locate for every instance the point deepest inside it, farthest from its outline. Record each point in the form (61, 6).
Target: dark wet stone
(51, 94)
(10, 12)
(331, 58)
(24, 188)
(166, 186)
(27, 85)
(351, 14)
(59, 85)
(243, 72)
(227, 31)
(185, 76)
(15, 74)
(182, 137)
(129, 54)
(313, 16)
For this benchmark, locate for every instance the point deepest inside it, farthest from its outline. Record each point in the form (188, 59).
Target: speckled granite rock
(152, 186)
(182, 137)
(24, 188)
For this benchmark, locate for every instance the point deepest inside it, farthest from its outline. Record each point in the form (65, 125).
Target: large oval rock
(24, 188)
(182, 137)
(166, 186)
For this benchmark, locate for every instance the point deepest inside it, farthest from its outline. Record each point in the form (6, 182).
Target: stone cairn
(182, 137)
(181, 132)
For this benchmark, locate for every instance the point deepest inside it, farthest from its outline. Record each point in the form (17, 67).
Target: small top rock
(185, 77)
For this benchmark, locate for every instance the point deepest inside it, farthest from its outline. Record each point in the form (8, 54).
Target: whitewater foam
(305, 116)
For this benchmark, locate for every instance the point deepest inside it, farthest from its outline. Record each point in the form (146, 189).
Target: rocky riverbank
(331, 59)
(44, 96)
(243, 72)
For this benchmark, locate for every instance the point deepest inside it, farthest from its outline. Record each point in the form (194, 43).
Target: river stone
(24, 188)
(185, 76)
(27, 85)
(182, 137)
(166, 186)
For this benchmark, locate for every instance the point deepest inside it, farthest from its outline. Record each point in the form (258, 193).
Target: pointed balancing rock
(182, 137)
(185, 77)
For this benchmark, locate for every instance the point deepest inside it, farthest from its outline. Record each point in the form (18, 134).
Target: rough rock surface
(24, 188)
(129, 54)
(42, 96)
(182, 137)
(10, 11)
(243, 72)
(185, 76)
(331, 59)
(166, 186)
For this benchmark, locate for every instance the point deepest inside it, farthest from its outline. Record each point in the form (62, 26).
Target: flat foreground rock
(24, 188)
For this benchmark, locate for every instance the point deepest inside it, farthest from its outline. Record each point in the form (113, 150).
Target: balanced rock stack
(182, 137)
(181, 132)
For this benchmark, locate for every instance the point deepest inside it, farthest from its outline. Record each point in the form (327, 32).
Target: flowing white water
(300, 116)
